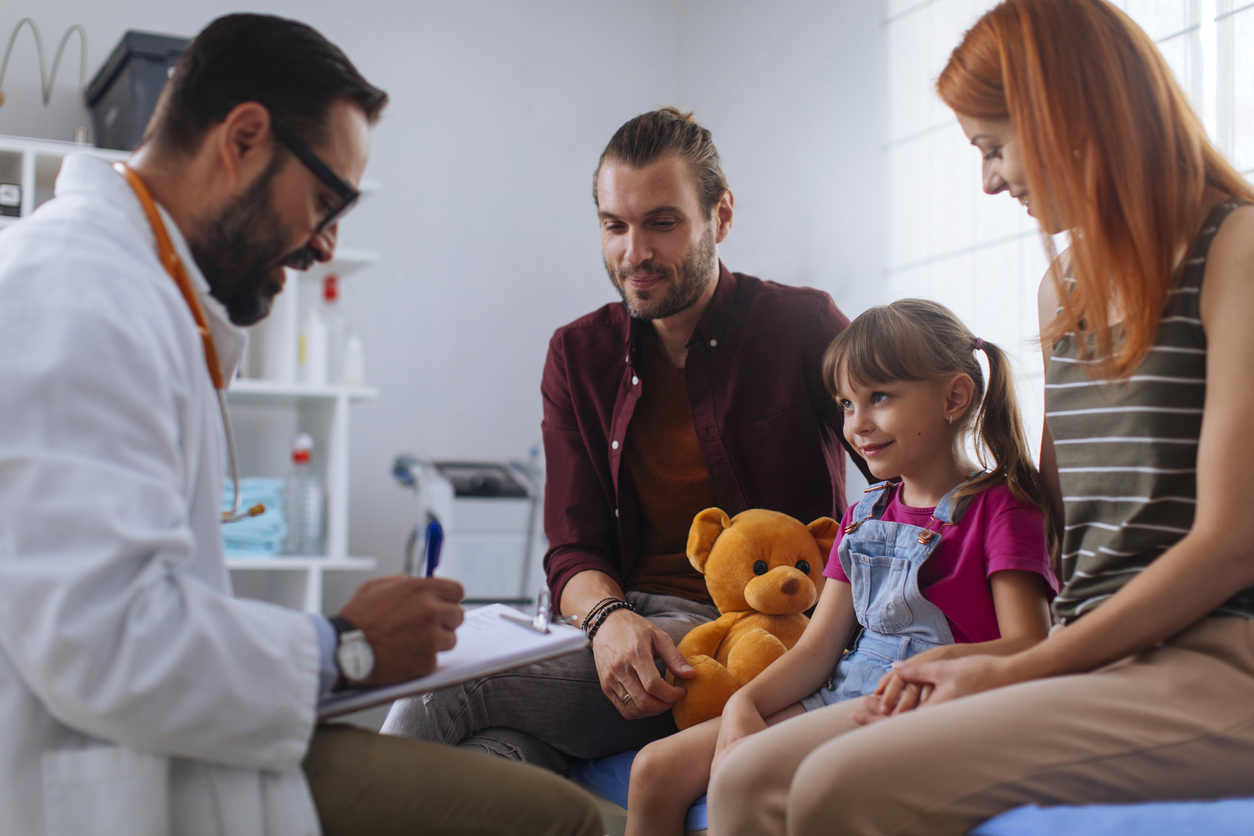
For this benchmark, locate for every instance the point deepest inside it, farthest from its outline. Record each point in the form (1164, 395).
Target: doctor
(136, 695)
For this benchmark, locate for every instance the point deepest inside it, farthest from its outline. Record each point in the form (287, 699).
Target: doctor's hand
(624, 649)
(407, 621)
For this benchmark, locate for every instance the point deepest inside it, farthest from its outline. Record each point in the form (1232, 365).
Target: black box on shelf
(124, 93)
(10, 200)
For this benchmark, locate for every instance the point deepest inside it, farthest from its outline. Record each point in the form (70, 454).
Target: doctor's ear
(243, 143)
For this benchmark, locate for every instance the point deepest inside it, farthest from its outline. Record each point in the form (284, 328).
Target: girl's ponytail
(998, 428)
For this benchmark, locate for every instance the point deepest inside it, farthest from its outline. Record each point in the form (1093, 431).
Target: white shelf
(349, 260)
(253, 390)
(57, 148)
(284, 562)
(293, 581)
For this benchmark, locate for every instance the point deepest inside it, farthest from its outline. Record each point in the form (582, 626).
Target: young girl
(1146, 691)
(939, 560)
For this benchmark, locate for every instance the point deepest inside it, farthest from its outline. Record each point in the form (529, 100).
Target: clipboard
(489, 641)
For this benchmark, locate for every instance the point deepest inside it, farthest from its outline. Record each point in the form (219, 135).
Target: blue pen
(435, 539)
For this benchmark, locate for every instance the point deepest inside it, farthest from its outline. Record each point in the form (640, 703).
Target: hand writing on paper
(407, 621)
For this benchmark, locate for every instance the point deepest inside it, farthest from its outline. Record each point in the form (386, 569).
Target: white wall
(489, 240)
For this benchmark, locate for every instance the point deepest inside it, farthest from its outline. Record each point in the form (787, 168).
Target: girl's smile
(904, 429)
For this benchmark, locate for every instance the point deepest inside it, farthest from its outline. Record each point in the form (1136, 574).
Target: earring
(951, 419)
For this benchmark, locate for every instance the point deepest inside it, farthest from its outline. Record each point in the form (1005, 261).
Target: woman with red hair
(1145, 688)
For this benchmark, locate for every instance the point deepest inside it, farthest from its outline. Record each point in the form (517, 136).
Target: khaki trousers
(1175, 722)
(367, 783)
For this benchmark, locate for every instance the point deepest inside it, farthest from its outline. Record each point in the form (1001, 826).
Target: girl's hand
(953, 678)
(892, 696)
(741, 718)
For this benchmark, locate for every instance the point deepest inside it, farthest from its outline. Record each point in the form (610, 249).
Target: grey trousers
(549, 713)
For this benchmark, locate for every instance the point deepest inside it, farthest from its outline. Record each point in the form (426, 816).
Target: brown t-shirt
(671, 479)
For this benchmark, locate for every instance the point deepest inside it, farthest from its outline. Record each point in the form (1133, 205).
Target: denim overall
(882, 561)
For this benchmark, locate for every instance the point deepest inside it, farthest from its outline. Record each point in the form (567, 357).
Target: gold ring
(626, 698)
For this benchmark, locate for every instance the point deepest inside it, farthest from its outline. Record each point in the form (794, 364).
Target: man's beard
(688, 281)
(237, 250)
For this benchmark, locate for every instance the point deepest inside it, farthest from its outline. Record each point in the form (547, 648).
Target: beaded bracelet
(596, 609)
(604, 614)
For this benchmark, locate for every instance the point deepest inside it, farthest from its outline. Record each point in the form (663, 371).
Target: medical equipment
(124, 92)
(174, 266)
(489, 512)
(46, 81)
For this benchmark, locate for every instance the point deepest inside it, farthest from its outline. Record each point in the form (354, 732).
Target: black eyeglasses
(347, 195)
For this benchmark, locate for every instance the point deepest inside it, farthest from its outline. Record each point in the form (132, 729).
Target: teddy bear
(763, 569)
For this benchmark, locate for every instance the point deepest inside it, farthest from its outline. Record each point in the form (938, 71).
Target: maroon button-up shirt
(768, 430)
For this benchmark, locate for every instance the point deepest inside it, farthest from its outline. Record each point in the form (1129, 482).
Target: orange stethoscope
(174, 266)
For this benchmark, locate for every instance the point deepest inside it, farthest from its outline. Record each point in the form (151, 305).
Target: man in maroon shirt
(701, 388)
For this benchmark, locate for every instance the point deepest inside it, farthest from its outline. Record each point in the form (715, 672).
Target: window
(982, 256)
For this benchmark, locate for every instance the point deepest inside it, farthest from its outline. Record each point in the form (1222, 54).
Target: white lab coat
(137, 696)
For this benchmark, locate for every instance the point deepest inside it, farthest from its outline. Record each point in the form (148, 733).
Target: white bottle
(336, 328)
(303, 502)
(354, 362)
(313, 349)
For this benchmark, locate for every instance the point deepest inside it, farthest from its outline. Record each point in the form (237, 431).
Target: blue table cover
(1226, 817)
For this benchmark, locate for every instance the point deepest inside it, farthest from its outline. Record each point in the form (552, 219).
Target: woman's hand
(741, 718)
(936, 682)
(953, 678)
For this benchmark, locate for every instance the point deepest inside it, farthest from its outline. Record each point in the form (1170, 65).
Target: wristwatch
(352, 651)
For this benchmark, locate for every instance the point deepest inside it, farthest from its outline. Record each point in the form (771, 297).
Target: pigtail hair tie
(979, 343)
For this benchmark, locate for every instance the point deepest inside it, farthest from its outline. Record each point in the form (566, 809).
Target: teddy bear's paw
(708, 692)
(751, 655)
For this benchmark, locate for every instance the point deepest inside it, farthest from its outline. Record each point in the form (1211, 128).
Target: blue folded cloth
(1226, 817)
(260, 536)
(609, 777)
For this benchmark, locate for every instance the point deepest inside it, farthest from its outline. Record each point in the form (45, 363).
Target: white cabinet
(266, 413)
(33, 165)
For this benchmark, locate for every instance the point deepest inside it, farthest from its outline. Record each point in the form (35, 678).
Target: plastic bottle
(304, 502)
(336, 328)
(313, 349)
(354, 362)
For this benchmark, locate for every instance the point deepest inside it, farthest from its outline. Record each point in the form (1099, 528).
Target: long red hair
(1111, 147)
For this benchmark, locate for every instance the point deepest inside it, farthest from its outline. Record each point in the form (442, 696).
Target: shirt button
(613, 445)
(615, 512)
(634, 380)
(713, 343)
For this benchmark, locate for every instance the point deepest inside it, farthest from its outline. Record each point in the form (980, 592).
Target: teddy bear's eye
(803, 567)
(759, 568)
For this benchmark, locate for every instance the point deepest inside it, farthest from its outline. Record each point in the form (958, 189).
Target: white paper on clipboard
(486, 644)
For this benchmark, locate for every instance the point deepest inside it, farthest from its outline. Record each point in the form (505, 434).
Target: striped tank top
(1127, 449)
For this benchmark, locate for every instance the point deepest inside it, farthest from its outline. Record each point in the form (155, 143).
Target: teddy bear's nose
(790, 586)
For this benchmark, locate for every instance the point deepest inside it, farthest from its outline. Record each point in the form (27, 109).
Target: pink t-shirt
(997, 532)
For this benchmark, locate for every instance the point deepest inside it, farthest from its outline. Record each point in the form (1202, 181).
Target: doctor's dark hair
(918, 339)
(666, 133)
(288, 67)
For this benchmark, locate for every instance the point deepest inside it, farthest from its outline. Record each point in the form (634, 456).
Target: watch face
(355, 657)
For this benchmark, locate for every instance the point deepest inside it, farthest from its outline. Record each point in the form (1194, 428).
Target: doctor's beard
(240, 248)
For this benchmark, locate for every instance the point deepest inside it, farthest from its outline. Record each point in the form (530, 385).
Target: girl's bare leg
(667, 777)
(670, 774)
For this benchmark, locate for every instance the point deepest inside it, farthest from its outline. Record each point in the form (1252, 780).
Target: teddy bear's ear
(706, 527)
(824, 530)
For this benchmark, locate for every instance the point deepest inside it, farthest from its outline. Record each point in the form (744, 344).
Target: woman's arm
(1022, 620)
(1210, 563)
